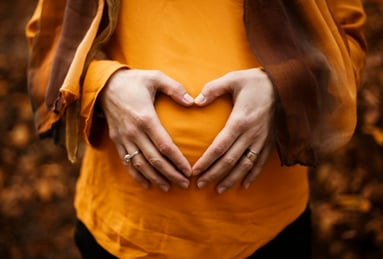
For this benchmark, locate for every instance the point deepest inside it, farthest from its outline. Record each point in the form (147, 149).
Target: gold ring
(129, 157)
(251, 155)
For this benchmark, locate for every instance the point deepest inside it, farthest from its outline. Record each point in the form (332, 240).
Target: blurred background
(37, 183)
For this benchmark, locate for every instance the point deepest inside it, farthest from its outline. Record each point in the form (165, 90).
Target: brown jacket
(315, 67)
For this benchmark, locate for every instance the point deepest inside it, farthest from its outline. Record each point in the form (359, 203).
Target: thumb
(173, 89)
(213, 90)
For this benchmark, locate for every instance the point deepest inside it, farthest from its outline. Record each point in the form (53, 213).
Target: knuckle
(164, 148)
(230, 75)
(129, 133)
(211, 91)
(228, 183)
(208, 178)
(142, 120)
(211, 177)
(247, 165)
(114, 135)
(174, 89)
(154, 74)
(155, 162)
(242, 123)
(219, 149)
(229, 161)
(137, 164)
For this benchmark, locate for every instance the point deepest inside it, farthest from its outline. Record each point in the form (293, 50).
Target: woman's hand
(241, 149)
(127, 102)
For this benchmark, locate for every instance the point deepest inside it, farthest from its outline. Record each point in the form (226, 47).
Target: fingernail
(221, 189)
(201, 184)
(164, 187)
(187, 173)
(200, 99)
(188, 98)
(184, 185)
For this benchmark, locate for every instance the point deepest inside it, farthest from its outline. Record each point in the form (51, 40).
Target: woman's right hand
(127, 101)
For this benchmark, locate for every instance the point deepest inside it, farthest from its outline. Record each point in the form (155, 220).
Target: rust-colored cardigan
(315, 67)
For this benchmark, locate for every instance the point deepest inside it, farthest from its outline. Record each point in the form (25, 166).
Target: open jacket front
(315, 67)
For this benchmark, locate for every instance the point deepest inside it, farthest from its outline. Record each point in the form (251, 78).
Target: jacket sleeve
(42, 34)
(58, 55)
(313, 52)
(63, 37)
(327, 112)
(350, 16)
(330, 115)
(97, 76)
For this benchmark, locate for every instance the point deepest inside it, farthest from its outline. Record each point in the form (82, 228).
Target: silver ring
(129, 157)
(251, 155)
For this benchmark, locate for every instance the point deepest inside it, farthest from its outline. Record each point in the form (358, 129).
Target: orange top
(194, 43)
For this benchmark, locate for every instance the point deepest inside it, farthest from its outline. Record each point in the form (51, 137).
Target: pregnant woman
(199, 118)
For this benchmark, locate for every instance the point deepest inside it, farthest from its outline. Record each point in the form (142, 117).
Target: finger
(226, 163)
(214, 89)
(253, 152)
(133, 172)
(139, 167)
(247, 161)
(164, 144)
(258, 167)
(238, 161)
(220, 145)
(172, 88)
(138, 177)
(236, 175)
(138, 164)
(151, 163)
(224, 140)
(161, 165)
(223, 166)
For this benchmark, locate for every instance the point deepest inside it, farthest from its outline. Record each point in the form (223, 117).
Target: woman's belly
(193, 128)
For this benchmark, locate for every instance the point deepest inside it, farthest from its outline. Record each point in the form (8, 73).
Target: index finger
(165, 145)
(220, 145)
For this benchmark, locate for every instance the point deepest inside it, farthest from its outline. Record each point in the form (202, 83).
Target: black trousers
(293, 242)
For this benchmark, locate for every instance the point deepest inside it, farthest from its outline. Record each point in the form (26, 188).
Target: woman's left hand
(240, 150)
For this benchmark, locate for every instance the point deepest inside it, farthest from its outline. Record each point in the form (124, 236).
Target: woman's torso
(193, 42)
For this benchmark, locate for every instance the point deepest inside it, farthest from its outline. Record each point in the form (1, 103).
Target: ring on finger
(251, 155)
(129, 157)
